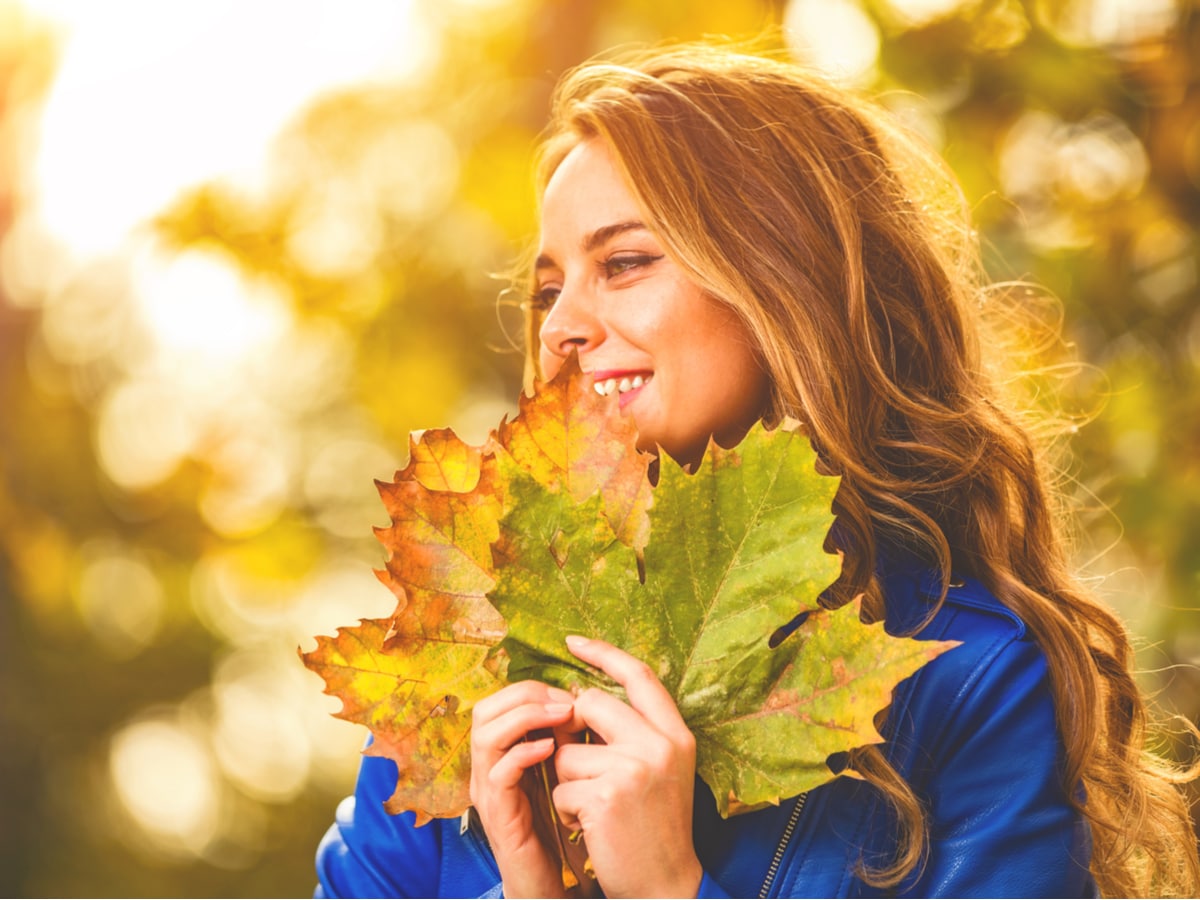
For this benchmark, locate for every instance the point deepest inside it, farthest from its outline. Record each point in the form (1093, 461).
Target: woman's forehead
(586, 194)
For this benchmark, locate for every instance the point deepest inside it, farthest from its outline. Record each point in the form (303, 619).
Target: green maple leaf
(735, 553)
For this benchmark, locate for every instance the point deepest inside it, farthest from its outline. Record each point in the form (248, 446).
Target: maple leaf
(413, 679)
(735, 553)
(566, 434)
(416, 700)
(442, 461)
(440, 562)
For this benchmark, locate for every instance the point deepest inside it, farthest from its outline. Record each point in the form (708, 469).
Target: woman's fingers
(501, 753)
(514, 725)
(505, 718)
(573, 762)
(646, 693)
(613, 720)
(634, 749)
(630, 793)
(631, 798)
(514, 695)
(507, 771)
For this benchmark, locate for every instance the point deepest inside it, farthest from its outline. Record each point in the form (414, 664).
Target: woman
(725, 238)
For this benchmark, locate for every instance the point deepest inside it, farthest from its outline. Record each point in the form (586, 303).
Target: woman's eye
(544, 297)
(618, 265)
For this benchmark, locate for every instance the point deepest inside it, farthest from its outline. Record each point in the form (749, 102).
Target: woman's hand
(500, 754)
(632, 795)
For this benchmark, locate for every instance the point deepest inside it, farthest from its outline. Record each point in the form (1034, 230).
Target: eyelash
(613, 267)
(618, 265)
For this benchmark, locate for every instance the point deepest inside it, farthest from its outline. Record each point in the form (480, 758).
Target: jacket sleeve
(989, 767)
(369, 853)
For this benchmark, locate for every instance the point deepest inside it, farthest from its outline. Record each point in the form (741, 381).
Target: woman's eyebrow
(601, 236)
(596, 239)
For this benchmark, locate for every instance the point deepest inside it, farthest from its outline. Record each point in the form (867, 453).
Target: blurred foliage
(173, 524)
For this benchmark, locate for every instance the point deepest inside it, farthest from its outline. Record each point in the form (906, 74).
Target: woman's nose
(570, 325)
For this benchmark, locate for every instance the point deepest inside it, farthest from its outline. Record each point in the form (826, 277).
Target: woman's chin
(688, 457)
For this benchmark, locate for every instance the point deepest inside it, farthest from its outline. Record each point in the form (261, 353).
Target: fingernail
(558, 709)
(577, 642)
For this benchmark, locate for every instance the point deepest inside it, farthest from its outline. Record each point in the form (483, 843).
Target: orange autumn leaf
(441, 461)
(567, 434)
(416, 700)
(440, 560)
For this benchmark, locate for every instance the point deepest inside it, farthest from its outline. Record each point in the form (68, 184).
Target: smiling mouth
(622, 385)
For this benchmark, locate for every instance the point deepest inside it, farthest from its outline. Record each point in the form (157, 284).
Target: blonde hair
(845, 247)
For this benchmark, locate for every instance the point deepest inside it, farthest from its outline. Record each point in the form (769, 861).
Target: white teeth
(605, 388)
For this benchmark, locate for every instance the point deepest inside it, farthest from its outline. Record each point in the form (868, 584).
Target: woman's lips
(626, 383)
(627, 397)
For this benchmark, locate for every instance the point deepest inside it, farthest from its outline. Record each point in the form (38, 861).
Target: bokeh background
(247, 247)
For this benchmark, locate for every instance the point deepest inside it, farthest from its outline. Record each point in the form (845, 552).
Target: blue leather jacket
(973, 732)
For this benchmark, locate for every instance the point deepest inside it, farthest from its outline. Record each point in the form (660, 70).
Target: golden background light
(247, 247)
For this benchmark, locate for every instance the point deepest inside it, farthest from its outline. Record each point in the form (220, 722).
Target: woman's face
(683, 363)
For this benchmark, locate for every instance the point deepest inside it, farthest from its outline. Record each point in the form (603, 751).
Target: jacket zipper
(471, 828)
(783, 842)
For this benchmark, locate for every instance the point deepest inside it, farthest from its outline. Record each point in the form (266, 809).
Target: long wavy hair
(846, 248)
